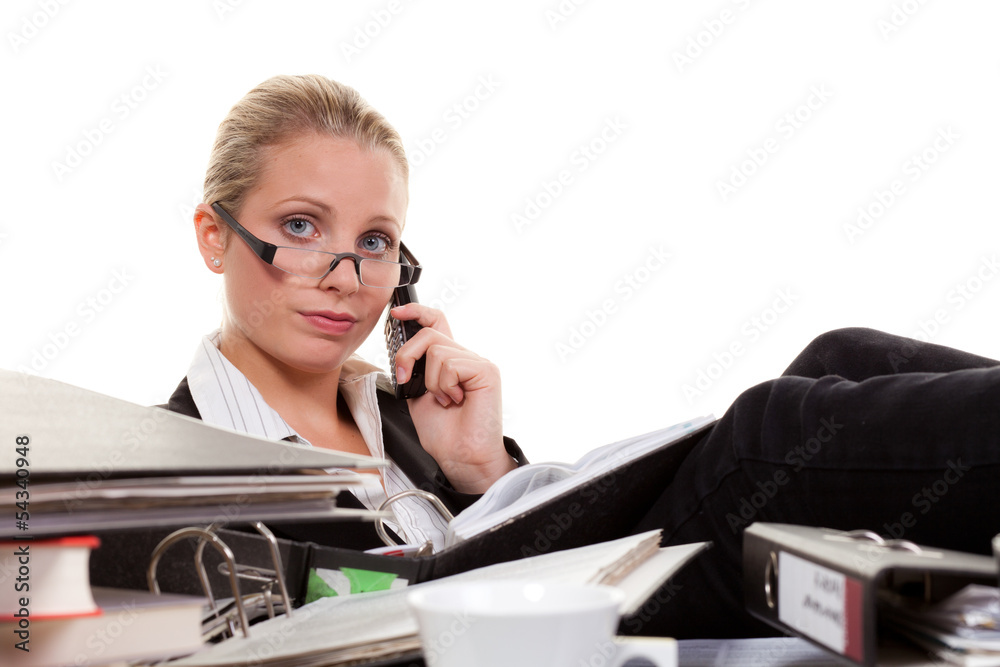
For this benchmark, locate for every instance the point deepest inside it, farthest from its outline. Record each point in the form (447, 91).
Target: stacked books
(51, 616)
(80, 462)
(92, 462)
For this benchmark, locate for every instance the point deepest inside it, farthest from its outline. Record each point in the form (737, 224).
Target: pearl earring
(216, 262)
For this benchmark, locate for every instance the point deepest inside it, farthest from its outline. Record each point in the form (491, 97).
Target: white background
(692, 90)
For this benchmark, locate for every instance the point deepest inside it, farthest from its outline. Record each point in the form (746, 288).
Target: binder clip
(224, 618)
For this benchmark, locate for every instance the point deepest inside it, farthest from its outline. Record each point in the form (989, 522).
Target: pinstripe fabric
(226, 398)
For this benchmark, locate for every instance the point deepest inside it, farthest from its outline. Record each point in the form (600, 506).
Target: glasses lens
(315, 264)
(378, 273)
(305, 263)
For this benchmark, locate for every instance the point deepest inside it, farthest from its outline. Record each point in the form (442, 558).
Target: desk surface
(764, 652)
(771, 651)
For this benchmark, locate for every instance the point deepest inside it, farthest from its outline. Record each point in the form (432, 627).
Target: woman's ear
(209, 230)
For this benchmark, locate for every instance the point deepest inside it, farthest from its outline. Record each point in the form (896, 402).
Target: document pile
(90, 462)
(867, 598)
(962, 629)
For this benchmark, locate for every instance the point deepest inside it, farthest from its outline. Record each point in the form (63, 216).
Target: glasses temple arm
(262, 249)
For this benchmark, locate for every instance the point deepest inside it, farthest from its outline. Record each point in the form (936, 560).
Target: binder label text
(820, 603)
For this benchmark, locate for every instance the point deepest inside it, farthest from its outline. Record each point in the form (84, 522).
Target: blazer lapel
(402, 445)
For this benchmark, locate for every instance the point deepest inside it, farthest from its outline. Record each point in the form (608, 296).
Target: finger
(417, 347)
(425, 316)
(453, 373)
(444, 371)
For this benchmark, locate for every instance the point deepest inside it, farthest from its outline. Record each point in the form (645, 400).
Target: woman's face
(322, 193)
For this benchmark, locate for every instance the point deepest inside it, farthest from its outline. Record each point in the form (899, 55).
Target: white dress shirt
(225, 397)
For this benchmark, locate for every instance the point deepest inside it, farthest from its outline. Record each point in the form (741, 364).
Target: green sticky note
(365, 581)
(316, 588)
(325, 583)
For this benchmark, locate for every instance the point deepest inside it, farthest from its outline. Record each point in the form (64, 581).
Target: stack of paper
(962, 629)
(131, 625)
(91, 462)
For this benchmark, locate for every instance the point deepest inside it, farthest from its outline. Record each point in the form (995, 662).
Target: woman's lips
(329, 322)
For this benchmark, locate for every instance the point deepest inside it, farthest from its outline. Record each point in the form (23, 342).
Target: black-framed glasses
(318, 263)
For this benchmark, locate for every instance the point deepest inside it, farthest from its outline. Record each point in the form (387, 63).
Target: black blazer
(401, 445)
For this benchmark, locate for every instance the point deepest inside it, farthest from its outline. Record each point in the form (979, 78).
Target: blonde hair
(279, 108)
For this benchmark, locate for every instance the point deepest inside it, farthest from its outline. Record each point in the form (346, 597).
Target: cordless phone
(396, 334)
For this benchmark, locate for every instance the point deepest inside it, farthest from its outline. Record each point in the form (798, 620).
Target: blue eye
(375, 245)
(299, 227)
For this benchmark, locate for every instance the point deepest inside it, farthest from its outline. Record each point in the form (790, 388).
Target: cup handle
(661, 651)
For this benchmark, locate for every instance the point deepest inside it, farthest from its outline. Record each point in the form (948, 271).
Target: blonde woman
(304, 213)
(306, 165)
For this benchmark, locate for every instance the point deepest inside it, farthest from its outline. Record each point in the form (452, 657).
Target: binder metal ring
(426, 495)
(771, 581)
(871, 536)
(205, 535)
(256, 574)
(865, 535)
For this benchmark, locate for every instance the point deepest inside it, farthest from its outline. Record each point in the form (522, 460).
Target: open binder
(379, 629)
(598, 509)
(826, 585)
(127, 474)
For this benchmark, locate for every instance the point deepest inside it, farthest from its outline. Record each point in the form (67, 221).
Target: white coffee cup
(528, 624)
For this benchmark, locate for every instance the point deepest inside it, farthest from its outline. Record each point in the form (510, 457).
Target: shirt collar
(225, 397)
